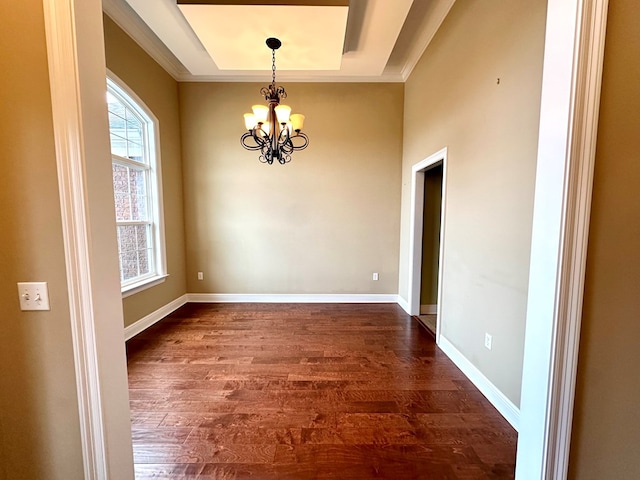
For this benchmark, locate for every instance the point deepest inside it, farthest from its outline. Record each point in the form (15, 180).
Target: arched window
(136, 189)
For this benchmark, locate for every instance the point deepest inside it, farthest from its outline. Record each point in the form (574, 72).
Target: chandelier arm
(284, 159)
(305, 139)
(283, 137)
(267, 157)
(260, 136)
(245, 137)
(267, 152)
(287, 146)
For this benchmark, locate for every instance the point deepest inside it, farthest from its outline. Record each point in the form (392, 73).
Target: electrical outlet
(200, 276)
(488, 341)
(375, 276)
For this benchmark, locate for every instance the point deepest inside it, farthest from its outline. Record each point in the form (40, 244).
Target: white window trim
(155, 193)
(143, 284)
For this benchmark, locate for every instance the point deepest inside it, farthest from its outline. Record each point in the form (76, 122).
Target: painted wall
(159, 91)
(606, 429)
(454, 99)
(431, 235)
(39, 429)
(320, 224)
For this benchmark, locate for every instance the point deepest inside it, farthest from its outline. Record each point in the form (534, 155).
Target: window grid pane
(130, 193)
(127, 131)
(134, 248)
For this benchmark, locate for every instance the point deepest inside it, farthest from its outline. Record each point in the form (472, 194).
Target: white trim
(129, 21)
(67, 125)
(428, 309)
(438, 11)
(566, 151)
(505, 406)
(154, 317)
(403, 304)
(290, 298)
(416, 226)
(143, 285)
(577, 231)
(298, 77)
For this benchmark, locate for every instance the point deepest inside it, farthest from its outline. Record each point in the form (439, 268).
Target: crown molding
(124, 16)
(386, 78)
(437, 13)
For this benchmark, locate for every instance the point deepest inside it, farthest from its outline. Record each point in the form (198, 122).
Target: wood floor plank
(294, 391)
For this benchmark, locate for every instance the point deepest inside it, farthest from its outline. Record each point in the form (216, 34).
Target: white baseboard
(505, 406)
(428, 309)
(154, 317)
(290, 298)
(404, 304)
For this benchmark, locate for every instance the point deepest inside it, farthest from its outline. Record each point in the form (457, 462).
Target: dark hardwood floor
(306, 391)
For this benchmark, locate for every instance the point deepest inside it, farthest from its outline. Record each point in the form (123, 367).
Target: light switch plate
(33, 296)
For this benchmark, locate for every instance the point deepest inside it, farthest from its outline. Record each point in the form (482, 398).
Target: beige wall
(453, 99)
(431, 236)
(39, 429)
(320, 224)
(606, 434)
(159, 91)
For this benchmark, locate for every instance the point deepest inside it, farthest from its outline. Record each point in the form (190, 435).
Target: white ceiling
(322, 40)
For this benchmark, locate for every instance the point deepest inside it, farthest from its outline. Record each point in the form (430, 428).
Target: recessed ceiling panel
(234, 35)
(313, 47)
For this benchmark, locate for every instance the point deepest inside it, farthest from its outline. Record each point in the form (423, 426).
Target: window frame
(153, 178)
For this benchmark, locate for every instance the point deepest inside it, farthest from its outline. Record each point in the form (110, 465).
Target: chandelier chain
(273, 68)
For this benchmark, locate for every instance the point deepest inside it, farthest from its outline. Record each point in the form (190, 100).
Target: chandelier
(272, 129)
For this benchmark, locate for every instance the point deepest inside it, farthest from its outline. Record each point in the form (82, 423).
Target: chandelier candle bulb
(270, 128)
(283, 112)
(260, 112)
(250, 121)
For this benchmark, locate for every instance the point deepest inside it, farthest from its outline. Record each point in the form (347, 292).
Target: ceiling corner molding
(438, 11)
(128, 21)
(295, 78)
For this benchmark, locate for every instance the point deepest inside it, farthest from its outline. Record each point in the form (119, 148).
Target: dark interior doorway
(431, 247)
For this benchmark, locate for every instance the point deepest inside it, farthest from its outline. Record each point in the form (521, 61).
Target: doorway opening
(428, 188)
(432, 213)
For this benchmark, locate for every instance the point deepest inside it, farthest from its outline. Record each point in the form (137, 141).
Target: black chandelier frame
(277, 144)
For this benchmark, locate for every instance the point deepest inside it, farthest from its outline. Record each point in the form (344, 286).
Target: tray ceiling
(322, 40)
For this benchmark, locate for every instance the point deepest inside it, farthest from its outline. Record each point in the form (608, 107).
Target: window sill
(143, 285)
